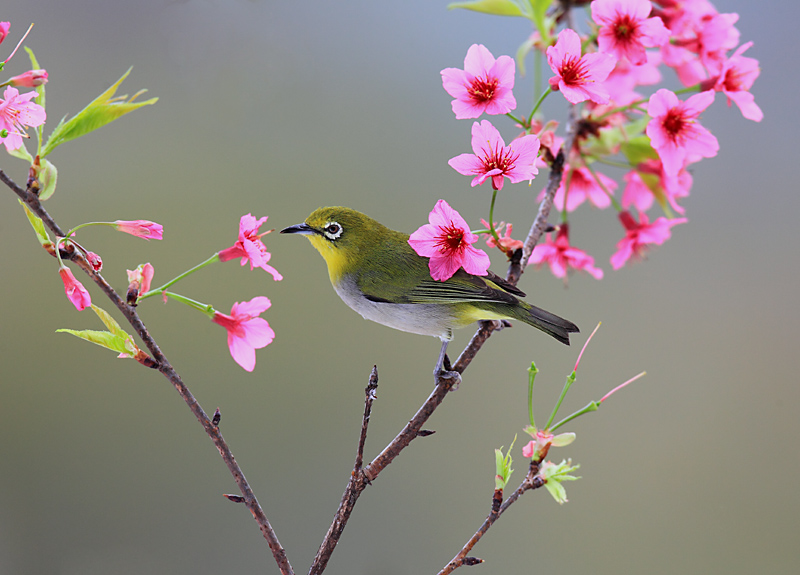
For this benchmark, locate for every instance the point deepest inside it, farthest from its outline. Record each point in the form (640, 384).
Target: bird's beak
(304, 229)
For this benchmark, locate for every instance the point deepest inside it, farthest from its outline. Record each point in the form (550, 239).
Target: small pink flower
(735, 80)
(493, 159)
(561, 257)
(507, 243)
(578, 77)
(16, 113)
(648, 182)
(674, 131)
(626, 29)
(249, 246)
(142, 277)
(95, 261)
(140, 228)
(582, 186)
(639, 234)
(75, 291)
(4, 27)
(484, 85)
(246, 331)
(447, 241)
(30, 79)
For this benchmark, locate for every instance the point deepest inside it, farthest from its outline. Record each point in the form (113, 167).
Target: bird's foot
(453, 376)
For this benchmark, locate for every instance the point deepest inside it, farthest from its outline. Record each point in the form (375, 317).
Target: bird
(377, 273)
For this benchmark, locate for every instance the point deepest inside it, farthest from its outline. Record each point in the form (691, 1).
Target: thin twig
(355, 486)
(531, 481)
(130, 313)
(362, 478)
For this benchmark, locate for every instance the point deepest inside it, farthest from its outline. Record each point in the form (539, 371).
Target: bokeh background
(278, 107)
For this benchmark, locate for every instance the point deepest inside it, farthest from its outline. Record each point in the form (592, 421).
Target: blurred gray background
(276, 108)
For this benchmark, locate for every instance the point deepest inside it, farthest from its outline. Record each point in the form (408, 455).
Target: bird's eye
(332, 230)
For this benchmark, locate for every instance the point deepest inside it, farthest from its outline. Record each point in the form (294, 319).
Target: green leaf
(104, 109)
(109, 321)
(638, 149)
(116, 339)
(101, 338)
(523, 50)
(48, 175)
(496, 7)
(38, 225)
(22, 154)
(539, 13)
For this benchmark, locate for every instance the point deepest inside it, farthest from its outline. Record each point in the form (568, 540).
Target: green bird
(378, 274)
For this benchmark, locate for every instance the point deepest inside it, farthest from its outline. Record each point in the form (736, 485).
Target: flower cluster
(656, 138)
(17, 112)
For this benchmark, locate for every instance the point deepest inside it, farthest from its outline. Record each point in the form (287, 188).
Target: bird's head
(343, 236)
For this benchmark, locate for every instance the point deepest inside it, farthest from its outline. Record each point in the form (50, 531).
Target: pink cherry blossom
(674, 131)
(649, 182)
(625, 77)
(249, 246)
(246, 331)
(561, 256)
(94, 260)
(484, 85)
(30, 79)
(583, 186)
(639, 234)
(141, 278)
(144, 229)
(493, 159)
(447, 241)
(16, 113)
(735, 80)
(578, 77)
(626, 30)
(75, 291)
(507, 243)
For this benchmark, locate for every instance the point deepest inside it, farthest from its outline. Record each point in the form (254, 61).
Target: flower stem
(539, 103)
(592, 406)
(532, 371)
(570, 380)
(491, 219)
(201, 307)
(520, 121)
(173, 281)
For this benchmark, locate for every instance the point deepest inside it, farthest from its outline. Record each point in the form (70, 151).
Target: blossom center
(624, 27)
(573, 70)
(675, 123)
(500, 159)
(482, 89)
(451, 240)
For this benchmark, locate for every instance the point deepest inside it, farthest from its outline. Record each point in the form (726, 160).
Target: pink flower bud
(95, 261)
(4, 26)
(141, 228)
(30, 79)
(75, 291)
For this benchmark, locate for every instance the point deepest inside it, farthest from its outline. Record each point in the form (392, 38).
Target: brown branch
(358, 482)
(130, 313)
(361, 478)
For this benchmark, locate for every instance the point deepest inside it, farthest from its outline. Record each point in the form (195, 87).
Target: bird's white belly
(425, 319)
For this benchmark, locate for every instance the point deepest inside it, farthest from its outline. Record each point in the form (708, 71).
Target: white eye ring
(332, 230)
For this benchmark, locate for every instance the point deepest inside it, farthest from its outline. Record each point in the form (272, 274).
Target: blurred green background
(276, 108)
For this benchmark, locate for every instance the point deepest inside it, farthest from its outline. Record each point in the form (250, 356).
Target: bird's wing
(464, 287)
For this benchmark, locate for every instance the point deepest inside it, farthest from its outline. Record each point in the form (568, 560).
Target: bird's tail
(551, 324)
